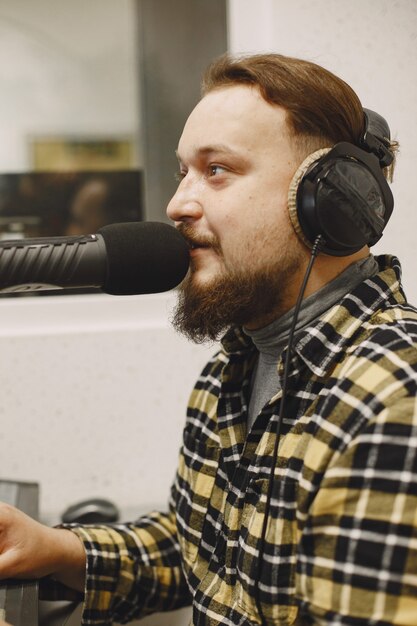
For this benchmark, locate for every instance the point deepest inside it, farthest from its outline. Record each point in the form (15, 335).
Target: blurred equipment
(91, 511)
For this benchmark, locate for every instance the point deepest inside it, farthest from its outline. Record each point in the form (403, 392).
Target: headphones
(342, 194)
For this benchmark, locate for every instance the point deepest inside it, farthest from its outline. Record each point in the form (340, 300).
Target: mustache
(195, 240)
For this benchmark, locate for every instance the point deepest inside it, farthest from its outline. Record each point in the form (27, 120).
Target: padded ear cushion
(293, 188)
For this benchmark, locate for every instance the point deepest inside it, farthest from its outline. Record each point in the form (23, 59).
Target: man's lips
(197, 248)
(197, 245)
(195, 240)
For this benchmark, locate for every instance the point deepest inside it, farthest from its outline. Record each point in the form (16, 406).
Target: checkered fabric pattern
(341, 543)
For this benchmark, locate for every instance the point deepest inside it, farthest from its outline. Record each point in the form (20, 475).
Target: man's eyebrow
(214, 149)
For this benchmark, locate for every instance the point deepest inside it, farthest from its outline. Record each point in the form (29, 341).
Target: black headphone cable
(319, 241)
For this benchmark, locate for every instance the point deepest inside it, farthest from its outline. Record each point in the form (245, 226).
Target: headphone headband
(376, 137)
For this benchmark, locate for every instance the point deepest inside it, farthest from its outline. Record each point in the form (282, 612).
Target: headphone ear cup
(343, 196)
(293, 191)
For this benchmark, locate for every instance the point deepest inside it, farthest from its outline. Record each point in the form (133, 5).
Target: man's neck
(272, 339)
(325, 269)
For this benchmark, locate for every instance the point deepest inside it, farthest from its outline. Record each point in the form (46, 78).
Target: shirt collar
(320, 344)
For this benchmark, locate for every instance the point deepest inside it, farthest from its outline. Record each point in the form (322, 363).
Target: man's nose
(185, 205)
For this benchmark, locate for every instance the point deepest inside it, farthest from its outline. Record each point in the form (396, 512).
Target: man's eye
(215, 170)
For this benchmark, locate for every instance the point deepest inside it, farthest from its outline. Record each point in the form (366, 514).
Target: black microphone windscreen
(143, 257)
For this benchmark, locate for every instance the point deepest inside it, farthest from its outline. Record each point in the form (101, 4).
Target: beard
(238, 297)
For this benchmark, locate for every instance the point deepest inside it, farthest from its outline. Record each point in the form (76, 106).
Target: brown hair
(321, 108)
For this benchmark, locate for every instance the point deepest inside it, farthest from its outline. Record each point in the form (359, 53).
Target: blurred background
(94, 94)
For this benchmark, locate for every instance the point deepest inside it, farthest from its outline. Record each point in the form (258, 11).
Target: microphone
(122, 259)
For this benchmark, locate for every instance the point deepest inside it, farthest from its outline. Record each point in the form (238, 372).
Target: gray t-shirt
(272, 339)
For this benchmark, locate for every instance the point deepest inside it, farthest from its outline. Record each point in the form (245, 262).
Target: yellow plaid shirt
(341, 544)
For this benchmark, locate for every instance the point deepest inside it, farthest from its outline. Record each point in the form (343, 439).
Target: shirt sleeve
(132, 570)
(358, 556)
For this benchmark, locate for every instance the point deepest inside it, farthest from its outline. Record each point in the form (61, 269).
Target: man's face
(236, 159)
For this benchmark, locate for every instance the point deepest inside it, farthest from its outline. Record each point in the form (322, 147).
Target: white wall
(94, 391)
(372, 44)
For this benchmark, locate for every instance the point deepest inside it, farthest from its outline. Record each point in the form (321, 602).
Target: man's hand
(29, 549)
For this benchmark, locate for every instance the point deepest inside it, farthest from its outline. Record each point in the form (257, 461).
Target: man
(331, 536)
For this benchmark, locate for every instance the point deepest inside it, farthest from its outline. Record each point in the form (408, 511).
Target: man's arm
(29, 549)
(130, 570)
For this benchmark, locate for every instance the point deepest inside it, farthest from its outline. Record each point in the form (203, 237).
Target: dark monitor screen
(49, 204)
